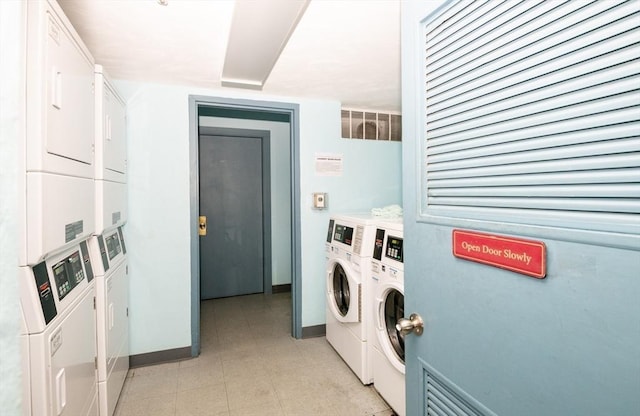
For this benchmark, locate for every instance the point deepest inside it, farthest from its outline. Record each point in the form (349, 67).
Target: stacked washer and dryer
(59, 282)
(387, 288)
(108, 249)
(57, 285)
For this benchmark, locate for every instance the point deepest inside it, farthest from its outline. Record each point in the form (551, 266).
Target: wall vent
(532, 114)
(444, 398)
(371, 125)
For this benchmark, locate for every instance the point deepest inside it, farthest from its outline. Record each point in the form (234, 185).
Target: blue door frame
(258, 108)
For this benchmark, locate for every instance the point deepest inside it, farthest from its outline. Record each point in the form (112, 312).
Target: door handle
(414, 324)
(202, 223)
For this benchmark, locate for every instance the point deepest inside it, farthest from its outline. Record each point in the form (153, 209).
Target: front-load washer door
(390, 308)
(343, 291)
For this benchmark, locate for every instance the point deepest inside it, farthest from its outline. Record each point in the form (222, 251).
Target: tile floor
(250, 365)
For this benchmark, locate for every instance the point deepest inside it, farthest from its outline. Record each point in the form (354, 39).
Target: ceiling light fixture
(163, 2)
(259, 32)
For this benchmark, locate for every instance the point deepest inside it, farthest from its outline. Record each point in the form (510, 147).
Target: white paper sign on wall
(328, 164)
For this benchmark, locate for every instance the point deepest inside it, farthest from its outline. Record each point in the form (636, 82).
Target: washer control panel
(394, 248)
(343, 234)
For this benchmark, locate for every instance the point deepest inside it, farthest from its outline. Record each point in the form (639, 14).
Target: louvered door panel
(533, 108)
(442, 398)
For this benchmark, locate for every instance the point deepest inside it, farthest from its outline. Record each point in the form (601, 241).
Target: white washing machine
(387, 287)
(348, 298)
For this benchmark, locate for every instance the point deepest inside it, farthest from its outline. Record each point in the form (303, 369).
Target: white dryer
(387, 287)
(112, 316)
(58, 335)
(348, 298)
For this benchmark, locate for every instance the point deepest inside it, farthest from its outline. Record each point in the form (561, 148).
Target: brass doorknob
(414, 324)
(202, 223)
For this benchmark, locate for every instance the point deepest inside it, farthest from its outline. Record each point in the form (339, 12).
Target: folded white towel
(390, 211)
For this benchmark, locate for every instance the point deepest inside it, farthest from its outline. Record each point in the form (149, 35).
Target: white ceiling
(347, 50)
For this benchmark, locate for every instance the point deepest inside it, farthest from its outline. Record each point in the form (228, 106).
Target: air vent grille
(533, 113)
(442, 398)
(371, 125)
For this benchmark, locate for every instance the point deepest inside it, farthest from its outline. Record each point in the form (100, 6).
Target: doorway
(235, 212)
(250, 111)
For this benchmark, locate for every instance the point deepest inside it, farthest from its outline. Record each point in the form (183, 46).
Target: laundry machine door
(390, 308)
(343, 291)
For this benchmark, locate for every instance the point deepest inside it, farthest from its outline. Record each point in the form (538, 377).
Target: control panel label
(73, 230)
(103, 253)
(87, 260)
(377, 247)
(330, 231)
(43, 286)
(515, 254)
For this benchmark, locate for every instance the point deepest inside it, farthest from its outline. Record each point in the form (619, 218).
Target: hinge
(94, 303)
(95, 362)
(127, 311)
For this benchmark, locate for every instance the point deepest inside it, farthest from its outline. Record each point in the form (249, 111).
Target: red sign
(515, 254)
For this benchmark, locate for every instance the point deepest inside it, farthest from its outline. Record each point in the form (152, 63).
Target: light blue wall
(371, 178)
(12, 84)
(280, 189)
(158, 231)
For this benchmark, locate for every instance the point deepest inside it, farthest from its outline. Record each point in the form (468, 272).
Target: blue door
(522, 119)
(231, 198)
